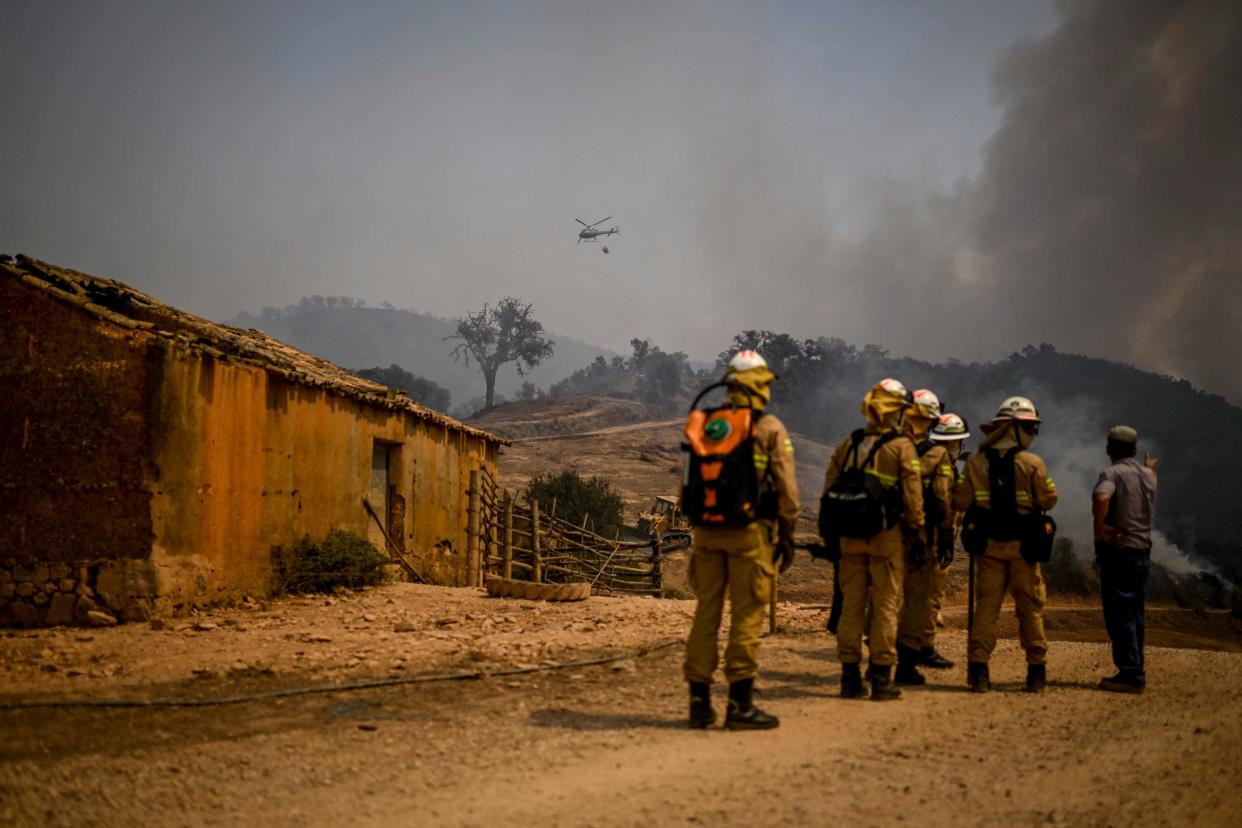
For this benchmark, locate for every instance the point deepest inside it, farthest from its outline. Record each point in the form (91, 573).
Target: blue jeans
(1123, 591)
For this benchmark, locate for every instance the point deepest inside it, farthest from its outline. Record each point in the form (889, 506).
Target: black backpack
(1002, 521)
(857, 505)
(933, 509)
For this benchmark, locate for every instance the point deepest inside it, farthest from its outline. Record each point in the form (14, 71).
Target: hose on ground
(29, 704)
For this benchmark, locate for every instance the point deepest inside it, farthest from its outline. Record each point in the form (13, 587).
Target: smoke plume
(1109, 207)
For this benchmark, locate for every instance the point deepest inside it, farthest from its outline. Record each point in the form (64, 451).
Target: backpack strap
(856, 439)
(924, 446)
(875, 447)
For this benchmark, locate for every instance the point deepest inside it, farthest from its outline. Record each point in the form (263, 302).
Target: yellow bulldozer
(665, 521)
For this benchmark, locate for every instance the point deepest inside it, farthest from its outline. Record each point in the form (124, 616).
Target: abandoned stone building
(152, 461)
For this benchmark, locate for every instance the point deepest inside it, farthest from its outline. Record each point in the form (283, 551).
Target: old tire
(498, 587)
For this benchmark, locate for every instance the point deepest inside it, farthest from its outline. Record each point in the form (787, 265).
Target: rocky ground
(599, 744)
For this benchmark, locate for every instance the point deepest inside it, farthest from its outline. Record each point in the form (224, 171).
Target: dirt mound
(557, 416)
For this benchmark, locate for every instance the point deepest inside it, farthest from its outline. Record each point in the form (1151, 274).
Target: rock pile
(35, 594)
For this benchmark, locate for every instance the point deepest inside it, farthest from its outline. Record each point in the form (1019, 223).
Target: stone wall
(37, 594)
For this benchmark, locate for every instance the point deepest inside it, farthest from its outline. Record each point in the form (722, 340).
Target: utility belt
(1034, 532)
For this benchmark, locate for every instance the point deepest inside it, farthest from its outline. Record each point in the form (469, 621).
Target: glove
(944, 546)
(829, 550)
(916, 547)
(783, 555)
(916, 553)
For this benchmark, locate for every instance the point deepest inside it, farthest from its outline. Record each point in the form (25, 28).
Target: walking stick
(838, 599)
(970, 611)
(776, 585)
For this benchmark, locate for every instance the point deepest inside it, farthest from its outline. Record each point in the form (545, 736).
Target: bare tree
(497, 335)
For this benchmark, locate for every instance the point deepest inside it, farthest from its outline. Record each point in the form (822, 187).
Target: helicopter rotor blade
(583, 223)
(601, 221)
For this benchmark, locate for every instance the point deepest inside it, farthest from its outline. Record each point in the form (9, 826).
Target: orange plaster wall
(247, 461)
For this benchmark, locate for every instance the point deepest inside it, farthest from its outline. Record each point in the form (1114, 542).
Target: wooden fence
(524, 540)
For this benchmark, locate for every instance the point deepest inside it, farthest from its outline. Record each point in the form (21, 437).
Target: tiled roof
(124, 306)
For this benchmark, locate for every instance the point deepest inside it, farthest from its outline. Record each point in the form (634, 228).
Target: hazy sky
(820, 168)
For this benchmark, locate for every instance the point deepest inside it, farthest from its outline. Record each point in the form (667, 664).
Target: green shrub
(340, 559)
(577, 497)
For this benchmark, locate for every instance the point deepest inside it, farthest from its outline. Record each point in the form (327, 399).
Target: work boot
(928, 657)
(743, 715)
(977, 677)
(701, 713)
(1122, 683)
(1036, 678)
(907, 669)
(852, 686)
(882, 687)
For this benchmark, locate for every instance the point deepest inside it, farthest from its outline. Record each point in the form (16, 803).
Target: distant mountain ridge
(355, 335)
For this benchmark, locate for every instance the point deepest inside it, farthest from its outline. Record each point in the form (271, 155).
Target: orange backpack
(721, 486)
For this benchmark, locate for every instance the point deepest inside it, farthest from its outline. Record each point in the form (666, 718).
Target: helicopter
(588, 233)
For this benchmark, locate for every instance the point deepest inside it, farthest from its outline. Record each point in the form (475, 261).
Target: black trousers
(1123, 591)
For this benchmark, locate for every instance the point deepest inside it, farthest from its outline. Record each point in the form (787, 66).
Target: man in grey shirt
(1123, 504)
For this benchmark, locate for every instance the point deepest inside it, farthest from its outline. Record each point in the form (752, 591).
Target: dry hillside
(639, 454)
(623, 441)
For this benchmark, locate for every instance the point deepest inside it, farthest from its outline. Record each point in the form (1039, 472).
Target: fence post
(776, 585)
(536, 560)
(657, 567)
(472, 531)
(507, 554)
(492, 521)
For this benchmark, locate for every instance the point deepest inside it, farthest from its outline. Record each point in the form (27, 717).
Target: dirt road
(600, 745)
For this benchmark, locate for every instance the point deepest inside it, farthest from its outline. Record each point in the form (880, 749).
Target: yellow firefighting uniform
(938, 476)
(1001, 567)
(873, 569)
(935, 602)
(739, 560)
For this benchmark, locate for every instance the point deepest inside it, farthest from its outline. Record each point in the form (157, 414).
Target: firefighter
(950, 433)
(937, 483)
(872, 498)
(1001, 566)
(742, 561)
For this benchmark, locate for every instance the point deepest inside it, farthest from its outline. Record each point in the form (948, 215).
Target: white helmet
(892, 387)
(927, 403)
(744, 361)
(949, 428)
(1018, 408)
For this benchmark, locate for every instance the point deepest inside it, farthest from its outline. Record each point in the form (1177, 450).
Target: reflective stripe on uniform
(789, 445)
(886, 479)
(761, 462)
